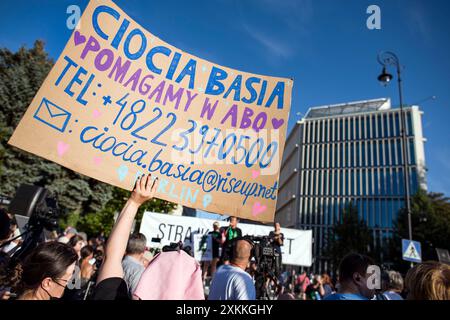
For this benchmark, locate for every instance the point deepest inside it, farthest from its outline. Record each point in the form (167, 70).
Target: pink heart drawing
(62, 148)
(277, 123)
(255, 174)
(96, 113)
(258, 208)
(97, 160)
(78, 38)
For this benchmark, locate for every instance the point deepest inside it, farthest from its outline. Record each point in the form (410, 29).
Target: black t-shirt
(216, 237)
(276, 245)
(111, 289)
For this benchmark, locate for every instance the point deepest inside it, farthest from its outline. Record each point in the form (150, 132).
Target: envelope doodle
(52, 115)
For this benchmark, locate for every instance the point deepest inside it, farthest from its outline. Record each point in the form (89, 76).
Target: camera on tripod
(41, 208)
(265, 254)
(268, 260)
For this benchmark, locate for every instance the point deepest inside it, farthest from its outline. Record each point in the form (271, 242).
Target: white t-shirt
(232, 283)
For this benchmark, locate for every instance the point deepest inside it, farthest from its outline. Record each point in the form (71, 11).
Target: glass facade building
(349, 153)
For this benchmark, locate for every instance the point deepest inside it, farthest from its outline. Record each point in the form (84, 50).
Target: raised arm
(144, 190)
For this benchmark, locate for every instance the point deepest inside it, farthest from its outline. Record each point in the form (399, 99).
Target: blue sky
(323, 44)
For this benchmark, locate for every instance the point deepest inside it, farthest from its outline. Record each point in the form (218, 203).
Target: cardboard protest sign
(120, 102)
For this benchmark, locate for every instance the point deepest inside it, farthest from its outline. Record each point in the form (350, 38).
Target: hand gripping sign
(119, 102)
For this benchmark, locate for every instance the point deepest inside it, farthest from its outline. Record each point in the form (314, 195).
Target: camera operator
(278, 240)
(231, 281)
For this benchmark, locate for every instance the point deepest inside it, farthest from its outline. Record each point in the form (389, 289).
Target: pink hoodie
(171, 276)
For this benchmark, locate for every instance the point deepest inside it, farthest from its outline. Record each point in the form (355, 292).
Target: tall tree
(430, 220)
(349, 234)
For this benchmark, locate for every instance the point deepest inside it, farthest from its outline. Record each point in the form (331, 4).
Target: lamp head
(385, 77)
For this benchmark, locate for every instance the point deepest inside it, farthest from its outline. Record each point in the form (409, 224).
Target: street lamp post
(386, 59)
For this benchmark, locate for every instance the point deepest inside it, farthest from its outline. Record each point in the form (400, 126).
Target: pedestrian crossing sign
(411, 250)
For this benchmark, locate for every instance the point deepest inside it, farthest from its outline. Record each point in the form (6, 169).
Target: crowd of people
(74, 267)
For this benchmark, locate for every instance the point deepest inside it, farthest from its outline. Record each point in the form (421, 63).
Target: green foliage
(430, 220)
(350, 234)
(91, 203)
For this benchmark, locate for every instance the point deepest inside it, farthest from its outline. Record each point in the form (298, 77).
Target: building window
(409, 124)
(357, 122)
(399, 152)
(413, 181)
(364, 182)
(357, 154)
(374, 153)
(389, 182)
(387, 150)
(363, 154)
(393, 153)
(352, 128)
(376, 182)
(401, 183)
(391, 125)
(383, 214)
(397, 124)
(374, 127)
(412, 158)
(380, 125)
(363, 127)
(382, 182)
(380, 152)
(370, 180)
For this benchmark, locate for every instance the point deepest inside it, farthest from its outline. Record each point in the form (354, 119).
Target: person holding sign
(228, 234)
(110, 282)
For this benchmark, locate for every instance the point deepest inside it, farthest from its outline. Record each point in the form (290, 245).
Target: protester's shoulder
(111, 289)
(344, 296)
(240, 275)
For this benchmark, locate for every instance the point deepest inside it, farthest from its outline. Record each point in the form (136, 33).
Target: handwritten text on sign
(120, 102)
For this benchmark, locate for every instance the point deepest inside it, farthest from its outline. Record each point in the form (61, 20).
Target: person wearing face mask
(45, 272)
(353, 279)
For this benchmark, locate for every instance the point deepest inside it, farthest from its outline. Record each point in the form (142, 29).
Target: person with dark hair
(84, 276)
(353, 279)
(87, 266)
(231, 281)
(132, 262)
(110, 283)
(315, 291)
(77, 243)
(45, 271)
